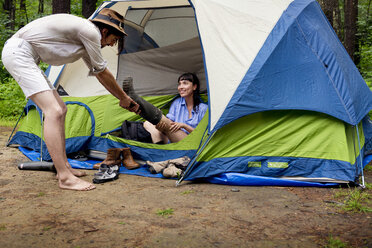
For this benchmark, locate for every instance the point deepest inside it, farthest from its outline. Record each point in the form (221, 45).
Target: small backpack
(134, 130)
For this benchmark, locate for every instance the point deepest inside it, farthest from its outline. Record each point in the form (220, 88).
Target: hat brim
(110, 24)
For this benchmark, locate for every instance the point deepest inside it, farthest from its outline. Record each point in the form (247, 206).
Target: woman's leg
(164, 126)
(54, 134)
(156, 135)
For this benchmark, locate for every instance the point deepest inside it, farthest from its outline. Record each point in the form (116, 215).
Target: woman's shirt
(178, 112)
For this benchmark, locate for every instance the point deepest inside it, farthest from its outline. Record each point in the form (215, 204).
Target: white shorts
(21, 61)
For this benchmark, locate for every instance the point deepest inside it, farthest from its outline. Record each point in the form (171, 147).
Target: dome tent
(285, 99)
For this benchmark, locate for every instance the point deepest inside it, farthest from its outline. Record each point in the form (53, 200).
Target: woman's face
(186, 88)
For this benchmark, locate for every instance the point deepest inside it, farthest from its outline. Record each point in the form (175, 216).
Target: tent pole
(42, 136)
(15, 126)
(360, 154)
(192, 162)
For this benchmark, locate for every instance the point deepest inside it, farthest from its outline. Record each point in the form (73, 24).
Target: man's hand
(130, 105)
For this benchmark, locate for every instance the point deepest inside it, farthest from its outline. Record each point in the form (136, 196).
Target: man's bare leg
(54, 129)
(73, 171)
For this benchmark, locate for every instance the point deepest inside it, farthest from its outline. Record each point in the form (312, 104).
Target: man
(56, 40)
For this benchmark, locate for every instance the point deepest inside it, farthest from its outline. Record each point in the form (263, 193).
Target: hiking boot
(157, 167)
(106, 173)
(172, 171)
(128, 161)
(113, 157)
(148, 111)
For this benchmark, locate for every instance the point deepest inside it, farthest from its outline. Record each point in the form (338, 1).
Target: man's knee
(56, 112)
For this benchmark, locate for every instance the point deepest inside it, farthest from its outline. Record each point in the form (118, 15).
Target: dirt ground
(34, 212)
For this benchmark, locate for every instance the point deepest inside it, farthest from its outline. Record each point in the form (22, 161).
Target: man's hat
(111, 18)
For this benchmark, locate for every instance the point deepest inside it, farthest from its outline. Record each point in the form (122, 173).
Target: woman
(185, 112)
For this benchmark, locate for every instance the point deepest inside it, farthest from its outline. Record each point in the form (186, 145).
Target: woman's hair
(188, 76)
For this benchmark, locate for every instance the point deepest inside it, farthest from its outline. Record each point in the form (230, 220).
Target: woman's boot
(113, 157)
(128, 161)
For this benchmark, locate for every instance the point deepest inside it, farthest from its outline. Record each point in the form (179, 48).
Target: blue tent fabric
(302, 60)
(235, 179)
(239, 179)
(297, 167)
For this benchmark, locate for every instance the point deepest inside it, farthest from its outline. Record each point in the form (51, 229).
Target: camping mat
(237, 179)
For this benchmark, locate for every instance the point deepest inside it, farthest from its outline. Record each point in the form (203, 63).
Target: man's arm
(108, 81)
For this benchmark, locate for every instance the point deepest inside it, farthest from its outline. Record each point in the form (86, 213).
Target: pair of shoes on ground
(169, 168)
(106, 173)
(109, 168)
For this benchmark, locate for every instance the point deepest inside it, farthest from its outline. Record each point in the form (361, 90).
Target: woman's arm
(175, 126)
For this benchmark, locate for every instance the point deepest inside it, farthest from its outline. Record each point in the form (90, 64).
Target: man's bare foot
(75, 173)
(74, 183)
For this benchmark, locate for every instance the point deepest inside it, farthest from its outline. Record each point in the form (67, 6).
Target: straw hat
(111, 18)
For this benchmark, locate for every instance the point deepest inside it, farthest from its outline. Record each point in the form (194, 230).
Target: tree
(23, 13)
(9, 8)
(41, 7)
(88, 7)
(351, 18)
(331, 10)
(61, 6)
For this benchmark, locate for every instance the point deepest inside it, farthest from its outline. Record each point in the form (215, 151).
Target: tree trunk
(331, 10)
(88, 7)
(351, 18)
(9, 7)
(61, 6)
(41, 7)
(23, 13)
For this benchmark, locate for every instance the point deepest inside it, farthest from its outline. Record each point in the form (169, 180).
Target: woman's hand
(175, 126)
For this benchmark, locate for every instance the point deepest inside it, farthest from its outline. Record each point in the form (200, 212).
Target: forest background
(350, 19)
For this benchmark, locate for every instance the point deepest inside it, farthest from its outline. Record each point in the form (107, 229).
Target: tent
(285, 99)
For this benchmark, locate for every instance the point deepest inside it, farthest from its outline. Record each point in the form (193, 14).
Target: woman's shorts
(21, 61)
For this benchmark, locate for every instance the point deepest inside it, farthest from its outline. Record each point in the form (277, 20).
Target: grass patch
(165, 212)
(47, 228)
(187, 192)
(335, 243)
(2, 227)
(368, 167)
(354, 200)
(40, 194)
(121, 223)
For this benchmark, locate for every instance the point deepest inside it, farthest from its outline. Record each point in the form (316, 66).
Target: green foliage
(187, 192)
(365, 40)
(12, 99)
(354, 200)
(365, 64)
(165, 212)
(335, 243)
